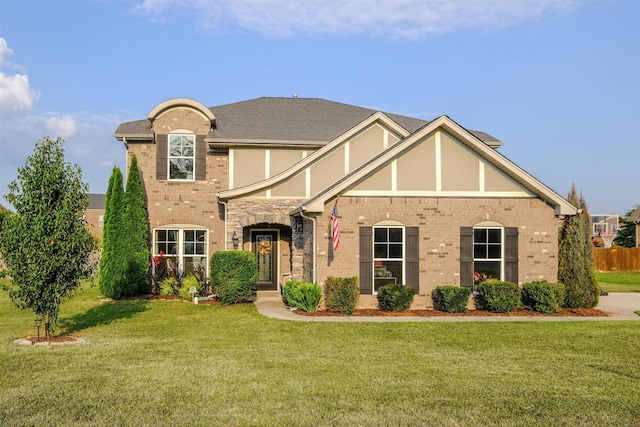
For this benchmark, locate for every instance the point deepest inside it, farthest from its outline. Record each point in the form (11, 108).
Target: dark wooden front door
(265, 245)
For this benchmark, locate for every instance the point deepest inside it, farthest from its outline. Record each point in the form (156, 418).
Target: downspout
(313, 247)
(225, 220)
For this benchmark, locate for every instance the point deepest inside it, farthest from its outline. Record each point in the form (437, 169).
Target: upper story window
(182, 157)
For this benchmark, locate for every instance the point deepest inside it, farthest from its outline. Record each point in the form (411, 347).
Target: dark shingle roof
(313, 120)
(96, 201)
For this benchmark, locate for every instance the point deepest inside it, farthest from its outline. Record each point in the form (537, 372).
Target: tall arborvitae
(137, 235)
(112, 262)
(575, 259)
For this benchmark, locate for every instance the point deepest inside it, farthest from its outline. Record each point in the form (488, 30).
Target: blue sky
(557, 80)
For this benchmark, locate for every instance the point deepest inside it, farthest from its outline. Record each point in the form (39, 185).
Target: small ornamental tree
(45, 245)
(112, 262)
(136, 235)
(575, 259)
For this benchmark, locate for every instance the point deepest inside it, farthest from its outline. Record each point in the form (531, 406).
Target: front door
(265, 245)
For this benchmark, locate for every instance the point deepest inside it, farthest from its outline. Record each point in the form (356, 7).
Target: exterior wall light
(235, 240)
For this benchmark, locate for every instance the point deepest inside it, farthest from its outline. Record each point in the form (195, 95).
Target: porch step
(268, 294)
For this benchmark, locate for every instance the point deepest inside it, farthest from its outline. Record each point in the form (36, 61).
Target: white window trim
(387, 225)
(502, 244)
(169, 156)
(181, 228)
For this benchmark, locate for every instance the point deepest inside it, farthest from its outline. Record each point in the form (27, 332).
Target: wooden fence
(616, 259)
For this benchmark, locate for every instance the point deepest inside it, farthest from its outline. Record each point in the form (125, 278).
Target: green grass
(174, 363)
(626, 281)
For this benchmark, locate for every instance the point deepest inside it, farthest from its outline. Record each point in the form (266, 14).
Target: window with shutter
(488, 253)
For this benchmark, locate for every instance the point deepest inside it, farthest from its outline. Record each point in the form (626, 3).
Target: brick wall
(194, 202)
(439, 220)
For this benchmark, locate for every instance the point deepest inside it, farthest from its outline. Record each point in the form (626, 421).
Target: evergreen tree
(45, 244)
(137, 234)
(113, 260)
(575, 259)
(627, 232)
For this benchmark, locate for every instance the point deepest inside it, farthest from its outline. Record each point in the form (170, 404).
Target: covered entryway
(264, 243)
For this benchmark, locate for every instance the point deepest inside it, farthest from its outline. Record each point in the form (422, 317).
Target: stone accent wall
(439, 220)
(243, 213)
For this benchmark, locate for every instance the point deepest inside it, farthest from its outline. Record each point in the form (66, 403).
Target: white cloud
(5, 52)
(63, 126)
(388, 18)
(15, 91)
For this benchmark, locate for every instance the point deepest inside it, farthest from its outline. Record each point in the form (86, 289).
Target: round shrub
(395, 297)
(499, 297)
(543, 297)
(341, 294)
(188, 282)
(452, 299)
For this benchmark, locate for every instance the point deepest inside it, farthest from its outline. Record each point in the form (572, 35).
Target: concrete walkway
(619, 306)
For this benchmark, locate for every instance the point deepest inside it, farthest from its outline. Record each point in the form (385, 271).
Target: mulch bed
(565, 312)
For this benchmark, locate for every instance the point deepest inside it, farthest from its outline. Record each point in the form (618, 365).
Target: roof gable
(503, 175)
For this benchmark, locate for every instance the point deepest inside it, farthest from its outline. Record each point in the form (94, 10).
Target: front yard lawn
(173, 363)
(624, 281)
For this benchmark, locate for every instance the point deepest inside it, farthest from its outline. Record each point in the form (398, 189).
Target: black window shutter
(466, 256)
(412, 263)
(511, 254)
(201, 159)
(161, 156)
(366, 260)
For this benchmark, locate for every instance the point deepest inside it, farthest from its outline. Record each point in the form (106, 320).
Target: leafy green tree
(627, 232)
(137, 234)
(575, 259)
(113, 260)
(4, 214)
(45, 245)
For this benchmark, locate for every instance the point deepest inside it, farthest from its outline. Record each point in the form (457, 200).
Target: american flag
(335, 229)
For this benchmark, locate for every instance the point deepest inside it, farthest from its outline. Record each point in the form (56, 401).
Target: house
(635, 219)
(423, 203)
(94, 215)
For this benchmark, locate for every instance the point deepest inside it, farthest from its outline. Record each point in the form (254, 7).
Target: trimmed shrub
(395, 297)
(234, 275)
(452, 299)
(499, 297)
(543, 297)
(303, 295)
(341, 294)
(291, 292)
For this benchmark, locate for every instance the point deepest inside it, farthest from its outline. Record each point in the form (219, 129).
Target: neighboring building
(607, 223)
(420, 203)
(94, 215)
(635, 219)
